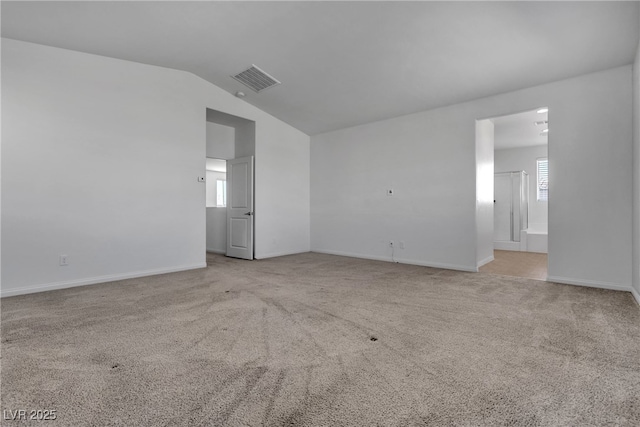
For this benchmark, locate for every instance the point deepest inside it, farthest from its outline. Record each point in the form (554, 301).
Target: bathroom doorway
(521, 195)
(230, 139)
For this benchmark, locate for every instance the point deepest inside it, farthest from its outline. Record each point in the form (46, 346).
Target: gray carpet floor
(322, 340)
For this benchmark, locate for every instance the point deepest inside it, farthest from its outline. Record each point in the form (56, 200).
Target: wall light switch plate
(201, 179)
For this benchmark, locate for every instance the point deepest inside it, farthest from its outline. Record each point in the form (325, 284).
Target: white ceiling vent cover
(256, 79)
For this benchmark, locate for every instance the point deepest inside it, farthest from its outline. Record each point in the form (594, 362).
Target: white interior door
(240, 208)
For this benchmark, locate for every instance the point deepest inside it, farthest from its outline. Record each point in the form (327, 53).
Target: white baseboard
(589, 283)
(485, 261)
(217, 251)
(94, 280)
(399, 260)
(506, 246)
(636, 295)
(277, 254)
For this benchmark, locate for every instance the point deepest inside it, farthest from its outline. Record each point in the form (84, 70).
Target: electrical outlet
(64, 260)
(390, 243)
(401, 244)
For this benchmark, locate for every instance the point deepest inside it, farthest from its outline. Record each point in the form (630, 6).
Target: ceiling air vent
(256, 79)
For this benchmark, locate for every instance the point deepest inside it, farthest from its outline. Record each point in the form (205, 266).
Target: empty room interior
(320, 213)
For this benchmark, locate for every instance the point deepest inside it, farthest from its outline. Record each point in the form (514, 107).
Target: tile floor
(520, 264)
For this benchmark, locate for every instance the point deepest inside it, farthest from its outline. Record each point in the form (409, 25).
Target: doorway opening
(520, 195)
(229, 201)
(216, 203)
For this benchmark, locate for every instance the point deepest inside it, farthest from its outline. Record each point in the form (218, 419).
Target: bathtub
(534, 238)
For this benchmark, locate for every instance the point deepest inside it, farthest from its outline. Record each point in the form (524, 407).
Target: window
(543, 180)
(216, 189)
(221, 193)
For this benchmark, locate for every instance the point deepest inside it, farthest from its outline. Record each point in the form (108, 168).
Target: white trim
(277, 254)
(487, 260)
(400, 260)
(95, 280)
(589, 283)
(506, 245)
(636, 295)
(217, 251)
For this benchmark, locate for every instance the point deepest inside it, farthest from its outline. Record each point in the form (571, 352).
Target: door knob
(249, 213)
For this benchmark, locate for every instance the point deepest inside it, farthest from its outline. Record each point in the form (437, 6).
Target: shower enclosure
(510, 208)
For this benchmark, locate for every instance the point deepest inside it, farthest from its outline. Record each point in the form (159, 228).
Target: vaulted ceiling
(346, 63)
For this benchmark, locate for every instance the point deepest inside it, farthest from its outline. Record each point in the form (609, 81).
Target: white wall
(430, 160)
(100, 159)
(636, 173)
(244, 132)
(100, 162)
(518, 159)
(217, 230)
(220, 141)
(484, 191)
(245, 145)
(282, 201)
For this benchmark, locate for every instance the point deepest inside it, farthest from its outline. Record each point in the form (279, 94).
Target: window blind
(543, 180)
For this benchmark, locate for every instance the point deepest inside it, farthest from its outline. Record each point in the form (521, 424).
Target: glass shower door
(511, 205)
(502, 207)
